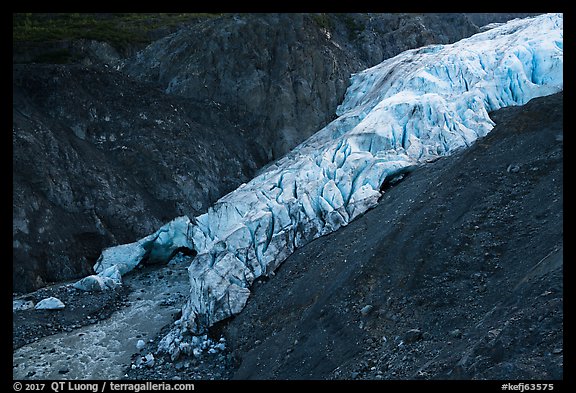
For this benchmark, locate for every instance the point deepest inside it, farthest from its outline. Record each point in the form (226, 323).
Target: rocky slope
(456, 274)
(101, 158)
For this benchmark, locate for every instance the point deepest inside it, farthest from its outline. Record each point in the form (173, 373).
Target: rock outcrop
(100, 159)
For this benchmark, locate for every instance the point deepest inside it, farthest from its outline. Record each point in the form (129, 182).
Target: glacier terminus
(408, 110)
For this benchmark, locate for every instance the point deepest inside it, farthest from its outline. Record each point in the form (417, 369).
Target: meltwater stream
(103, 350)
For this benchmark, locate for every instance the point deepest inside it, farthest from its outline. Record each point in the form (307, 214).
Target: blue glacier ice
(404, 112)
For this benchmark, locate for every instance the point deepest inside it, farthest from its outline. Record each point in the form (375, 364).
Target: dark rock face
(99, 159)
(483, 18)
(82, 51)
(461, 262)
(375, 37)
(280, 67)
(289, 70)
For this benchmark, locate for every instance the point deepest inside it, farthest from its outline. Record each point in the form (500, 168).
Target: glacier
(407, 111)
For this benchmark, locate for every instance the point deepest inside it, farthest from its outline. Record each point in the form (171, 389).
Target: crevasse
(404, 112)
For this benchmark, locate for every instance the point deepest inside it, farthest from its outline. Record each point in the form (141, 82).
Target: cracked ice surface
(401, 113)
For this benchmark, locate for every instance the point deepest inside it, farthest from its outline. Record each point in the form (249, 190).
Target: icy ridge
(406, 111)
